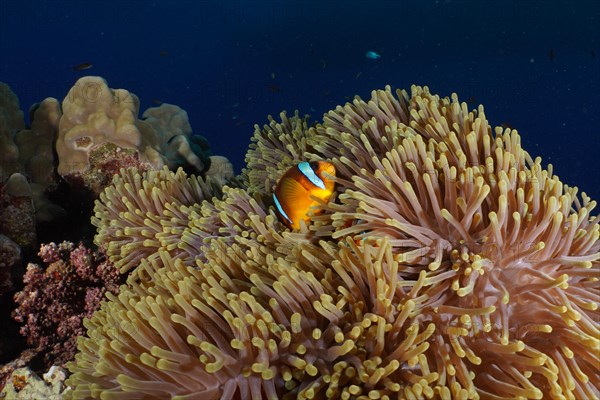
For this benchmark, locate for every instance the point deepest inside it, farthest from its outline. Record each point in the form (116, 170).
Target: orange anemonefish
(294, 191)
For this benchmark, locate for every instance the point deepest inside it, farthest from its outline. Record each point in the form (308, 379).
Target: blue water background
(534, 65)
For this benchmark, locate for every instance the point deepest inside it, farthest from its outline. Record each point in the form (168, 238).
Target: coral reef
(449, 265)
(36, 155)
(36, 143)
(95, 132)
(50, 174)
(57, 298)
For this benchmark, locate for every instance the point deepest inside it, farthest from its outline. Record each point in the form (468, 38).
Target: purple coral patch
(56, 298)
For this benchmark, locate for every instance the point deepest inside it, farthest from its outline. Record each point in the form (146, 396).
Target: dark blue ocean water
(535, 65)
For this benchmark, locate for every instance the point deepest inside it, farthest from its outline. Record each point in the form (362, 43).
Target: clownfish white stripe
(309, 173)
(280, 209)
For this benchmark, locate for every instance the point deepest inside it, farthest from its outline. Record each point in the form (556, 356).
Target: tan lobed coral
(100, 132)
(29, 151)
(221, 169)
(36, 154)
(36, 145)
(11, 121)
(450, 265)
(175, 139)
(98, 120)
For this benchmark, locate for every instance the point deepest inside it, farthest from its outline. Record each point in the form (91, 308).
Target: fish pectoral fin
(293, 195)
(292, 192)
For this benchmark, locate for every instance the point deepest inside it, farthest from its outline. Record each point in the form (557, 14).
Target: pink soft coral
(56, 299)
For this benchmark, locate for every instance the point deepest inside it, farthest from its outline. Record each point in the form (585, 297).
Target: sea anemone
(276, 147)
(140, 213)
(450, 265)
(504, 250)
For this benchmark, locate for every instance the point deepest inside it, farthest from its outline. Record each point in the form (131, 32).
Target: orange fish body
(295, 190)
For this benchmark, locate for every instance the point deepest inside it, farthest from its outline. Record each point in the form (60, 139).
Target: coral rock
(10, 257)
(17, 212)
(24, 384)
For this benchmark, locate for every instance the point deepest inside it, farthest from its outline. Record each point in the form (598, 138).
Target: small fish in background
(552, 55)
(506, 125)
(323, 63)
(156, 101)
(593, 53)
(295, 190)
(83, 66)
(163, 53)
(371, 55)
(273, 88)
(358, 75)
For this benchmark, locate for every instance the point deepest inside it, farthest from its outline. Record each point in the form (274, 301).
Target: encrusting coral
(17, 212)
(450, 265)
(10, 257)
